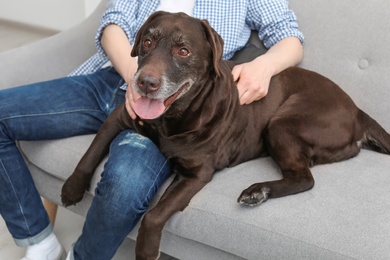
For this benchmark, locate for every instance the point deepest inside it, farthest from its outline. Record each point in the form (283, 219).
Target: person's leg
(47, 110)
(132, 175)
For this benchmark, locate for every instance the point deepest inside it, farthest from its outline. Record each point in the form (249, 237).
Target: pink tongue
(147, 108)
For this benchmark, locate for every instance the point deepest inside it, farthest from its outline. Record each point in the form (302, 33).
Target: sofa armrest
(52, 57)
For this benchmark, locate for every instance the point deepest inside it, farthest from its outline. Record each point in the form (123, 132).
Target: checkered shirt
(232, 19)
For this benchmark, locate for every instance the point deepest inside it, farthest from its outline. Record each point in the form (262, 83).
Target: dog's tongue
(147, 108)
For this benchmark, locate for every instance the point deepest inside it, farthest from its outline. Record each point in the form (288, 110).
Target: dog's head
(174, 52)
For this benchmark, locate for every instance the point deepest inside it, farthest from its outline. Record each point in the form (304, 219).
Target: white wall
(51, 14)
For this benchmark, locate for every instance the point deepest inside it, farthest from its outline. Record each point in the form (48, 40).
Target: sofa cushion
(344, 216)
(64, 155)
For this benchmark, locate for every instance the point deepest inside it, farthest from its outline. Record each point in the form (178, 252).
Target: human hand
(131, 97)
(253, 79)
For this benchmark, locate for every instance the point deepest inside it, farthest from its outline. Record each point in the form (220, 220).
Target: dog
(190, 108)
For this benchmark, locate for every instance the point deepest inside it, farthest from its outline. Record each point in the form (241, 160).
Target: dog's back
(302, 108)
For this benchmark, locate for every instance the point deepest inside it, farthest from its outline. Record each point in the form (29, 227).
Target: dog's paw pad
(254, 198)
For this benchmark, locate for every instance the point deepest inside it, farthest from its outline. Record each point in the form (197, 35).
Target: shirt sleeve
(122, 13)
(273, 20)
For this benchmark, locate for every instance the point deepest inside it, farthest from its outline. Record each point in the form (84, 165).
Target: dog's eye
(184, 52)
(147, 43)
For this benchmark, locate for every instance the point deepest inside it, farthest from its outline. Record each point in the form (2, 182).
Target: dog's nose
(148, 83)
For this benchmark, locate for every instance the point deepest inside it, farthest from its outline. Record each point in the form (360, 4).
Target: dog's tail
(375, 137)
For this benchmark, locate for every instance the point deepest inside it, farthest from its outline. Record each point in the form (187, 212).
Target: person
(78, 104)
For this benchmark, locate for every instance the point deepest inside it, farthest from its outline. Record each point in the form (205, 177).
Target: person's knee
(133, 173)
(132, 151)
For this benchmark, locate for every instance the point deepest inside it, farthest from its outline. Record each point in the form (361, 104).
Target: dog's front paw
(73, 190)
(254, 196)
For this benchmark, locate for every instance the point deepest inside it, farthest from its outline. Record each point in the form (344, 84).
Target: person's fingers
(131, 98)
(236, 71)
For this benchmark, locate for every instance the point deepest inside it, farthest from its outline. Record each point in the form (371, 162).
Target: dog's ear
(216, 43)
(134, 50)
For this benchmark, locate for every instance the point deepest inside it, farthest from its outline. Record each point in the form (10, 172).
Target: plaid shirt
(232, 19)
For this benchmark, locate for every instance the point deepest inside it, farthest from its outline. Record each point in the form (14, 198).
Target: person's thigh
(47, 110)
(248, 53)
(59, 108)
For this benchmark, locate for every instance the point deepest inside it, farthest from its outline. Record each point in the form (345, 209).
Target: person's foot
(48, 249)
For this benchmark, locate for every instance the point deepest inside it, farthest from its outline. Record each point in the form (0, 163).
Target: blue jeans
(67, 107)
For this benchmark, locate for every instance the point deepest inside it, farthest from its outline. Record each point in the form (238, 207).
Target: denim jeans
(67, 107)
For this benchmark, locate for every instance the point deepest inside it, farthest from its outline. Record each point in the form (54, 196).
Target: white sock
(48, 249)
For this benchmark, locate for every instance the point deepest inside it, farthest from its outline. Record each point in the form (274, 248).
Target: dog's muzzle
(150, 108)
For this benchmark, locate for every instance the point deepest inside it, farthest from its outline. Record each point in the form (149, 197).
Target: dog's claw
(254, 198)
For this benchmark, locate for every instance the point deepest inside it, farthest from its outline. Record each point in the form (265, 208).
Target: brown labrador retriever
(190, 108)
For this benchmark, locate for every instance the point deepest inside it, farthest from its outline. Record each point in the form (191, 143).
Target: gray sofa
(345, 216)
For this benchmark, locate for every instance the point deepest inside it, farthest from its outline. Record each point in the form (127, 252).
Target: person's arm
(118, 48)
(254, 77)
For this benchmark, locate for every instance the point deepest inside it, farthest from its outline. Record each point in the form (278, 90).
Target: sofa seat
(340, 218)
